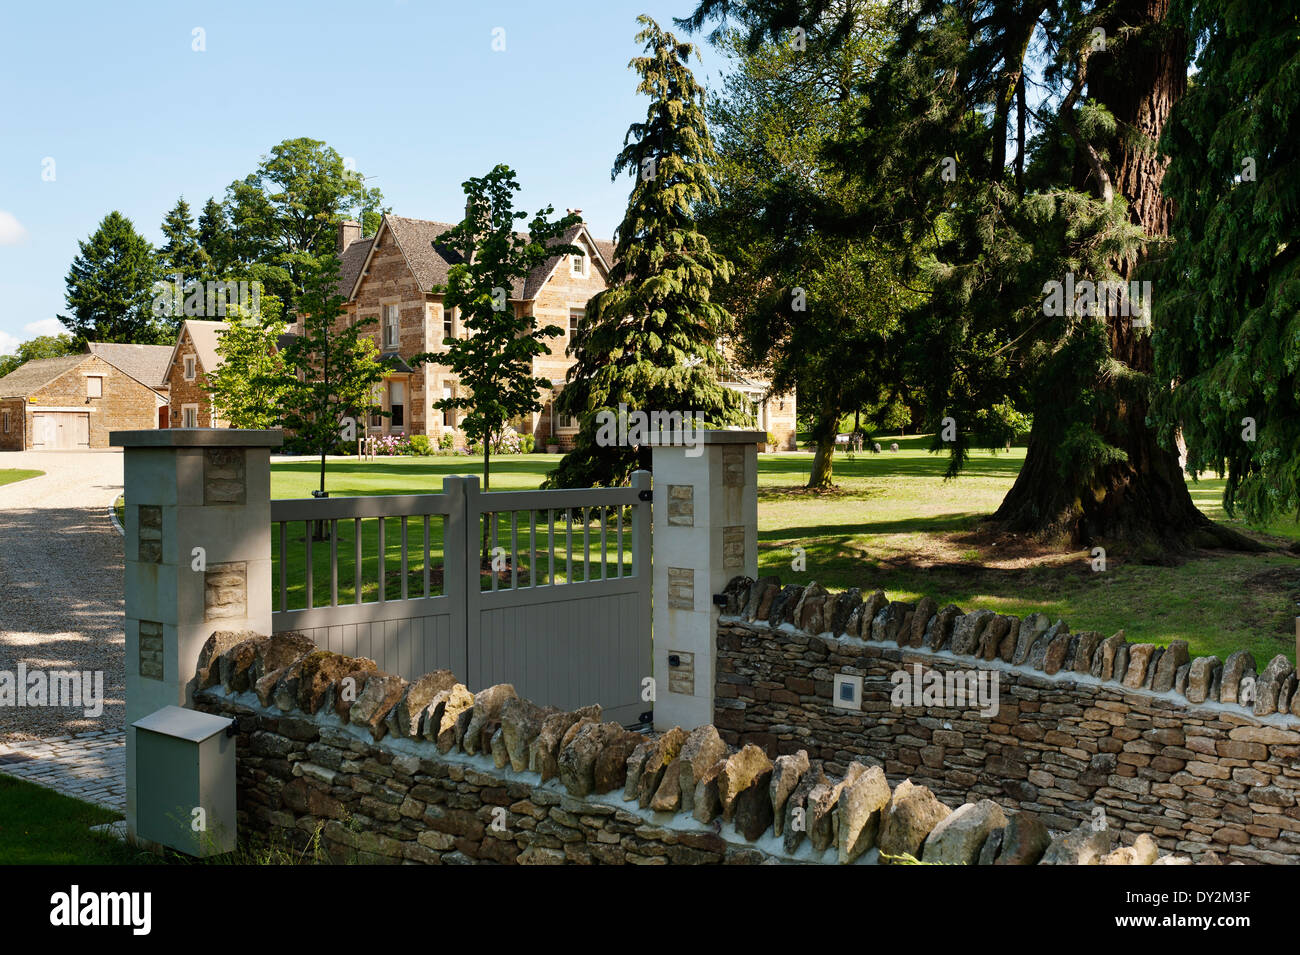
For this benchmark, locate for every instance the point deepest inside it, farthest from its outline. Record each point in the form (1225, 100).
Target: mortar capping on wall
(1033, 644)
(787, 808)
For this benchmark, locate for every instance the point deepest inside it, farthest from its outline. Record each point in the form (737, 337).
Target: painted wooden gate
(545, 590)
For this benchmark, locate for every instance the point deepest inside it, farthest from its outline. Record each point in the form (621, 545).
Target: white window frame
(99, 380)
(449, 414)
(558, 421)
(4, 419)
(393, 426)
(185, 412)
(394, 310)
(578, 266)
(191, 365)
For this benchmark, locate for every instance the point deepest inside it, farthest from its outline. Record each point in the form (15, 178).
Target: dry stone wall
(1201, 755)
(385, 770)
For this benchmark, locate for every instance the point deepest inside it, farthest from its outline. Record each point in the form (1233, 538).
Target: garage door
(60, 430)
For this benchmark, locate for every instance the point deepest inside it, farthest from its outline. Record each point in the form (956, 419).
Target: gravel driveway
(61, 605)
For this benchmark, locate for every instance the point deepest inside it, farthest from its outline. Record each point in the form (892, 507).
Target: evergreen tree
(110, 287)
(1227, 329)
(182, 254)
(252, 382)
(648, 342)
(216, 240)
(494, 361)
(805, 298)
(332, 367)
(1080, 201)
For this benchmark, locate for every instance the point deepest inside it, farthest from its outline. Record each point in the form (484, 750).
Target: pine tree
(182, 254)
(1226, 332)
(110, 287)
(804, 298)
(1080, 200)
(216, 239)
(648, 342)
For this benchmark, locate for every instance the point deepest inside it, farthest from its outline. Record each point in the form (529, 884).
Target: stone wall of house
(12, 436)
(1199, 754)
(382, 770)
(182, 391)
(389, 282)
(125, 405)
(563, 292)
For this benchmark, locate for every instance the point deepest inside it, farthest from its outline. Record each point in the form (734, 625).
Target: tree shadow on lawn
(1006, 469)
(934, 524)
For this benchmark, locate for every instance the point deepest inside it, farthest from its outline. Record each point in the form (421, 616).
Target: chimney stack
(349, 232)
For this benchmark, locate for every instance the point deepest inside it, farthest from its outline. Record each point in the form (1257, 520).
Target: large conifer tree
(1079, 199)
(649, 341)
(110, 287)
(182, 253)
(1227, 334)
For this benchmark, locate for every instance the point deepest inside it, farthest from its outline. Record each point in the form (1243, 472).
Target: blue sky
(410, 90)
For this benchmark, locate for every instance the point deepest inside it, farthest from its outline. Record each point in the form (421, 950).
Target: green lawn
(893, 523)
(41, 827)
(10, 475)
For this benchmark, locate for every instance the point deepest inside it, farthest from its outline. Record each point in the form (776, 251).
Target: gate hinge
(645, 495)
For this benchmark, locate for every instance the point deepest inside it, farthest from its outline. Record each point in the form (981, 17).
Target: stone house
(74, 401)
(388, 278)
(189, 361)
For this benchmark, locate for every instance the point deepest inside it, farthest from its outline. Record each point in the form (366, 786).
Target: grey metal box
(185, 781)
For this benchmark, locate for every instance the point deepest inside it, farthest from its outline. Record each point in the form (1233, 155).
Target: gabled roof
(351, 262)
(147, 364)
(34, 375)
(204, 335)
(430, 261)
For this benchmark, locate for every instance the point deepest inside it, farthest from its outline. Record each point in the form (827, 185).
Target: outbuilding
(73, 402)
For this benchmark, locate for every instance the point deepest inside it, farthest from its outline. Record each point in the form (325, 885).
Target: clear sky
(133, 117)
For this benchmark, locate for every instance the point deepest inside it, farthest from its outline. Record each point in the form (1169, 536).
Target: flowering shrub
(392, 444)
(507, 442)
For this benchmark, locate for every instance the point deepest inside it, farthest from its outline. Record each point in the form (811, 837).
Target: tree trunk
(821, 468)
(1143, 501)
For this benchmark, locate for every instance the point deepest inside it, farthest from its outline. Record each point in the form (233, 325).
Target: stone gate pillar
(705, 533)
(189, 488)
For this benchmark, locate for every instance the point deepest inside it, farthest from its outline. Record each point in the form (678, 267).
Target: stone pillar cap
(708, 436)
(196, 438)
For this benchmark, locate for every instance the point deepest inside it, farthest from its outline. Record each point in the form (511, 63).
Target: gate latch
(646, 495)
